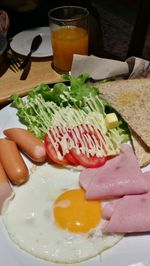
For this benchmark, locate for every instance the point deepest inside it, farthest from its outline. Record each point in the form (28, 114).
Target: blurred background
(112, 23)
(118, 20)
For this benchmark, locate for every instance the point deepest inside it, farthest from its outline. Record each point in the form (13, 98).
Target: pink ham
(108, 209)
(5, 193)
(146, 176)
(5, 188)
(118, 177)
(130, 214)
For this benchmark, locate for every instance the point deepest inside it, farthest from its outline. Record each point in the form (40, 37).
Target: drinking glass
(69, 35)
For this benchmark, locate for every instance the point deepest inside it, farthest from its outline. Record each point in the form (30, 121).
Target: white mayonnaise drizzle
(102, 142)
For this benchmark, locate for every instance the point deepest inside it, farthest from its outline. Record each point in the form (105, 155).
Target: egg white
(30, 224)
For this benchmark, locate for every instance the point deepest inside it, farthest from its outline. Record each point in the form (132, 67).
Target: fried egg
(50, 218)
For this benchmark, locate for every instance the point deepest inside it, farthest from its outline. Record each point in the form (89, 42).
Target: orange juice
(67, 41)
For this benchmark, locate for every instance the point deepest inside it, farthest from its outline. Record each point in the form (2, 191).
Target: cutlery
(25, 71)
(34, 46)
(11, 60)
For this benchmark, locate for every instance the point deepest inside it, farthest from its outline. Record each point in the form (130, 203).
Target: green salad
(71, 103)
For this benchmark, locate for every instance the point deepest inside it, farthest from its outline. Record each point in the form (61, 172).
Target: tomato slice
(78, 136)
(71, 159)
(87, 131)
(52, 152)
(88, 162)
(67, 159)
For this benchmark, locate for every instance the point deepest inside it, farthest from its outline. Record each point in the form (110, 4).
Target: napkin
(101, 68)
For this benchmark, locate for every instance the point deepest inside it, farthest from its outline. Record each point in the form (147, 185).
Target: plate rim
(33, 31)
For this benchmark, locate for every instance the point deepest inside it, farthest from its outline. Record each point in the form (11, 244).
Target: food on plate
(5, 188)
(111, 120)
(50, 218)
(141, 150)
(79, 145)
(28, 143)
(108, 210)
(70, 216)
(78, 109)
(130, 214)
(13, 162)
(131, 99)
(119, 176)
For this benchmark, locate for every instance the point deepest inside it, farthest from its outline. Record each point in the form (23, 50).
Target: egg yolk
(74, 213)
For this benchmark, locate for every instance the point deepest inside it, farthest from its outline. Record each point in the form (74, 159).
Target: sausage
(5, 188)
(32, 146)
(13, 162)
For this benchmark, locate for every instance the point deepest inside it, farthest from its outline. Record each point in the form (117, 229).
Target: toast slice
(142, 152)
(131, 98)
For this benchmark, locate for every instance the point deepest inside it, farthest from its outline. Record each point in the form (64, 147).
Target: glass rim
(84, 15)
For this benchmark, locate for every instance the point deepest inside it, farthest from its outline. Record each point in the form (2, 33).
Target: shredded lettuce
(37, 109)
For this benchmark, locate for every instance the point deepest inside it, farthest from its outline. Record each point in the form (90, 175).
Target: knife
(25, 71)
(34, 46)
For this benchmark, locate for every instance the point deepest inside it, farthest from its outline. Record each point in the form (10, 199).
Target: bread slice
(142, 152)
(131, 98)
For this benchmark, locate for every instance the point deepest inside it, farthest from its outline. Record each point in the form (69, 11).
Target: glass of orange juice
(69, 35)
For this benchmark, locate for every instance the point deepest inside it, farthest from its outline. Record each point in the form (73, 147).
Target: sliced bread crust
(131, 98)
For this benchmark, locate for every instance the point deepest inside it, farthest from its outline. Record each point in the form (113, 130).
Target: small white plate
(21, 42)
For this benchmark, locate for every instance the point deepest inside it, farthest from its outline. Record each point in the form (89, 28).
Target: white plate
(133, 250)
(21, 42)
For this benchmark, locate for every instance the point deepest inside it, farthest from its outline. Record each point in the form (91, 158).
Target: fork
(12, 60)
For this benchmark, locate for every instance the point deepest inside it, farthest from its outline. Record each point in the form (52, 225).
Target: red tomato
(69, 157)
(88, 162)
(52, 152)
(78, 135)
(82, 159)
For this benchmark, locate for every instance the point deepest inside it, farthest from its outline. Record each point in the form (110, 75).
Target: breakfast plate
(132, 250)
(21, 42)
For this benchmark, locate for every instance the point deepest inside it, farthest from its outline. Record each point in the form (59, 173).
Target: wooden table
(40, 72)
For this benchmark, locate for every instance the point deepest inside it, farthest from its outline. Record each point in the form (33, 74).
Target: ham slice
(129, 214)
(5, 193)
(5, 188)
(108, 209)
(118, 177)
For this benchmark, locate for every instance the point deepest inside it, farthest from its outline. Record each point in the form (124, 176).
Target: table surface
(40, 72)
